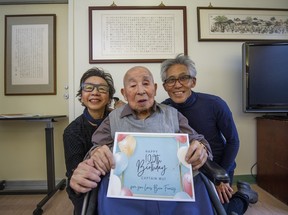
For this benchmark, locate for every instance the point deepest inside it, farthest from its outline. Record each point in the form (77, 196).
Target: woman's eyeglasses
(88, 87)
(184, 79)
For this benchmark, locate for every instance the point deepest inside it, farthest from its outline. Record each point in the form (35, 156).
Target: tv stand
(276, 117)
(272, 159)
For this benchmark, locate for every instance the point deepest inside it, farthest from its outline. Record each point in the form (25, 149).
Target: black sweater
(77, 142)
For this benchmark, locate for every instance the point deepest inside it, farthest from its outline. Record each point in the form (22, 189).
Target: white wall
(218, 63)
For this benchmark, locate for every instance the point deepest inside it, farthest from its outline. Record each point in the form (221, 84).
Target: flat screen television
(265, 77)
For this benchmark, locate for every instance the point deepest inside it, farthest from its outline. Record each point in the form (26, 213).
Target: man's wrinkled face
(139, 90)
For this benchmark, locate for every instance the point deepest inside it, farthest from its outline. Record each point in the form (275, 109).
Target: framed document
(136, 34)
(30, 54)
(151, 166)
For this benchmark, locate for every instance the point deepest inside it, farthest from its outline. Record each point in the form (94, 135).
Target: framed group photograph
(241, 24)
(30, 54)
(128, 34)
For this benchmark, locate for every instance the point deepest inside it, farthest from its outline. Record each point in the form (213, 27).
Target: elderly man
(144, 114)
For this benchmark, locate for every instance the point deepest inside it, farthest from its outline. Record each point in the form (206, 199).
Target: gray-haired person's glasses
(89, 87)
(184, 79)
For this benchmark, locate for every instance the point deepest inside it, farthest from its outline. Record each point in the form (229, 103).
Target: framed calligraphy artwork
(128, 34)
(30, 54)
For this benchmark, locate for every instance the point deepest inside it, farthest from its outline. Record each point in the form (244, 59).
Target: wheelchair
(210, 174)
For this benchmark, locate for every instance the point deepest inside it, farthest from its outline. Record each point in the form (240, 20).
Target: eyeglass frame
(186, 78)
(95, 86)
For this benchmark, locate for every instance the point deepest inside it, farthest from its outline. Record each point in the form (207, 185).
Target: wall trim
(247, 178)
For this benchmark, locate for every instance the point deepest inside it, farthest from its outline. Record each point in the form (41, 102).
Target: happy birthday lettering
(152, 163)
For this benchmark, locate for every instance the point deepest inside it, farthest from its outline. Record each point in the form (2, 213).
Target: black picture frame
(113, 37)
(241, 24)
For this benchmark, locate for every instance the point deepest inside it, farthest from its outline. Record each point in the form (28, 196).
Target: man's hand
(224, 192)
(103, 159)
(85, 177)
(196, 155)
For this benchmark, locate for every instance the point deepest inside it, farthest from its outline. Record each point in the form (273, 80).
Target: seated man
(144, 114)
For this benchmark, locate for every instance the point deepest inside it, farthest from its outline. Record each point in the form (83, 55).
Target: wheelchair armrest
(214, 172)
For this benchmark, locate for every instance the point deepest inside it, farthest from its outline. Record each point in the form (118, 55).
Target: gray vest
(163, 121)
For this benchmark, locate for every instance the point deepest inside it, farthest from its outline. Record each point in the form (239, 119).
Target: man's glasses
(184, 79)
(101, 88)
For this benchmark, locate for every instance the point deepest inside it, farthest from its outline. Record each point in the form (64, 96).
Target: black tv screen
(265, 77)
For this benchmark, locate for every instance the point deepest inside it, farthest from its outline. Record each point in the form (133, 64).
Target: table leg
(51, 188)
(49, 134)
(2, 184)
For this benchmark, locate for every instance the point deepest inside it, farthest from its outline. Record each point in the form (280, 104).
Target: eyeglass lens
(88, 87)
(182, 79)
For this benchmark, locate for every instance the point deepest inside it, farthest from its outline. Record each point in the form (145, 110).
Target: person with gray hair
(95, 93)
(182, 60)
(143, 114)
(208, 115)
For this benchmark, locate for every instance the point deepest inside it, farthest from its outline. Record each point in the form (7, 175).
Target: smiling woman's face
(179, 92)
(94, 100)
